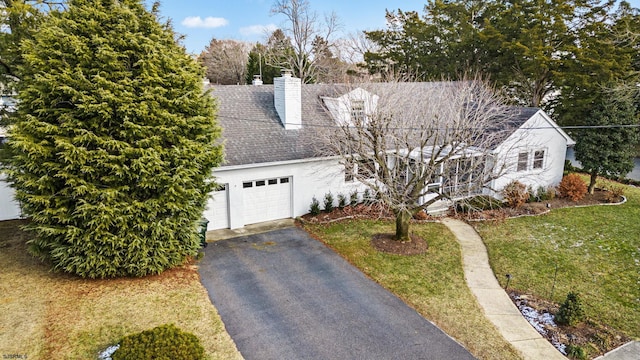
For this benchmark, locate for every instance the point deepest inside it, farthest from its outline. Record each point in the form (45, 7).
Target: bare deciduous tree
(226, 61)
(303, 27)
(416, 143)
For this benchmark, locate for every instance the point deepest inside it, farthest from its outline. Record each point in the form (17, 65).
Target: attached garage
(266, 199)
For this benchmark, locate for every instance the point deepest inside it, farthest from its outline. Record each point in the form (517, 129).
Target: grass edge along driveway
(45, 315)
(432, 283)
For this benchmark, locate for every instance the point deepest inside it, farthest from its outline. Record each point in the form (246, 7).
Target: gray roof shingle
(253, 133)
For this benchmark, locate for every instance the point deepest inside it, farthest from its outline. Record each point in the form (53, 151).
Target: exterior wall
(9, 208)
(538, 133)
(308, 179)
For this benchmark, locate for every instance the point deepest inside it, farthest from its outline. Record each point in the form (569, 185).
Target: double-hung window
(523, 161)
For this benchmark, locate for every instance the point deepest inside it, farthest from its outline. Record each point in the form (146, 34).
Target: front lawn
(44, 315)
(432, 283)
(596, 251)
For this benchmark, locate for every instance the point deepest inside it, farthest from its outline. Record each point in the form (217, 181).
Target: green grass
(596, 251)
(432, 283)
(45, 315)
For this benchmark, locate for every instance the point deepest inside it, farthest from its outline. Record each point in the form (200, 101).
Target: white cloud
(208, 22)
(257, 29)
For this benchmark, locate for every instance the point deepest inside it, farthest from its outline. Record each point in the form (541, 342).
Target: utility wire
(569, 127)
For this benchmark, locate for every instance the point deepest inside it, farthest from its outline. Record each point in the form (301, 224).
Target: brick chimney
(287, 100)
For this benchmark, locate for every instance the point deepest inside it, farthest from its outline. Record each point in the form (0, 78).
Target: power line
(569, 127)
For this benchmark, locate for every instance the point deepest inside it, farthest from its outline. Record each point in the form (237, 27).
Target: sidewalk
(495, 302)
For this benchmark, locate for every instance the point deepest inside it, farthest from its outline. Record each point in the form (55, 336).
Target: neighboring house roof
(253, 133)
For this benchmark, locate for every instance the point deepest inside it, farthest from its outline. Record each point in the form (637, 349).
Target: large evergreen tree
(114, 141)
(609, 148)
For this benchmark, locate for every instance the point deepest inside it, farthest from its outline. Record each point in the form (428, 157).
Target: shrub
(163, 342)
(366, 197)
(421, 215)
(342, 201)
(614, 194)
(576, 352)
(515, 194)
(315, 206)
(113, 144)
(328, 202)
(572, 187)
(478, 203)
(570, 312)
(353, 198)
(543, 194)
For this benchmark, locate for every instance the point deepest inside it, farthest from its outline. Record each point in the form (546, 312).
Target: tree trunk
(403, 218)
(592, 182)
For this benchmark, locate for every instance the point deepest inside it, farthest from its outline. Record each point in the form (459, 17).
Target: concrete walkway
(495, 302)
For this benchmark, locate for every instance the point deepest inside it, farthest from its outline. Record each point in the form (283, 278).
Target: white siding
(307, 179)
(9, 208)
(538, 133)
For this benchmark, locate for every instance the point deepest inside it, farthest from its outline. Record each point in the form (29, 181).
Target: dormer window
(352, 108)
(357, 110)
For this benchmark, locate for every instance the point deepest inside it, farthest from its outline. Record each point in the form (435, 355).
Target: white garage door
(265, 200)
(218, 209)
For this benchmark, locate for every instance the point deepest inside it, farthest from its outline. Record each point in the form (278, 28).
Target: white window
(357, 110)
(538, 159)
(523, 161)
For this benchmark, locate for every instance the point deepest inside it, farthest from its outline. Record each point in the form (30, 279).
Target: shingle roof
(253, 133)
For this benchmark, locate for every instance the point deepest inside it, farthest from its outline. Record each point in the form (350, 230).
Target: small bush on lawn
(515, 194)
(572, 187)
(328, 202)
(576, 352)
(353, 198)
(478, 203)
(314, 209)
(570, 312)
(342, 201)
(163, 342)
(614, 194)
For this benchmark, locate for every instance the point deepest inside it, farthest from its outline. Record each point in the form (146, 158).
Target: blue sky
(201, 20)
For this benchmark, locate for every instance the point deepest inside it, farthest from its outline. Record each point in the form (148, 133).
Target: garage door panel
(217, 211)
(265, 200)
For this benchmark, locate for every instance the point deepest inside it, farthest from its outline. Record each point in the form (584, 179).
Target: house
(273, 168)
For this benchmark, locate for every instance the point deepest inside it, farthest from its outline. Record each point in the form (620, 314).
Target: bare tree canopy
(226, 61)
(416, 143)
(309, 36)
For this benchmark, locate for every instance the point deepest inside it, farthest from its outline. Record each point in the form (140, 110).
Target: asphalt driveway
(284, 295)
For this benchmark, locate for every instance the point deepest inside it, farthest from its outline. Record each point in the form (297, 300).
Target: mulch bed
(386, 243)
(535, 208)
(594, 338)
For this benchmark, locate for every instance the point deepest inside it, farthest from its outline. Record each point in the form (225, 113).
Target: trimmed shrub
(366, 197)
(576, 352)
(342, 201)
(421, 215)
(515, 194)
(614, 194)
(353, 198)
(314, 209)
(478, 203)
(570, 312)
(163, 342)
(572, 187)
(328, 202)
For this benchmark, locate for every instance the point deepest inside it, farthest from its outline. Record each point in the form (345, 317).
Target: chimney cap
(286, 72)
